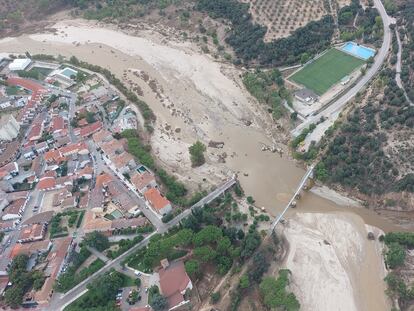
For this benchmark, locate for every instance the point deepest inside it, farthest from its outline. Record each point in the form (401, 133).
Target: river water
(271, 179)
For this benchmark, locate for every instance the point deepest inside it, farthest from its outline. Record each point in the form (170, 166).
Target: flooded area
(195, 97)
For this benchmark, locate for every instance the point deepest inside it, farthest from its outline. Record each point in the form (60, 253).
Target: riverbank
(196, 97)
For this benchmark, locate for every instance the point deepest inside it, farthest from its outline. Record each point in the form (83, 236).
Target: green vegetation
(210, 243)
(146, 111)
(176, 191)
(215, 297)
(268, 88)
(22, 281)
(197, 153)
(246, 37)
(101, 293)
(397, 243)
(406, 30)
(96, 240)
(123, 246)
(355, 157)
(326, 71)
(71, 277)
(368, 25)
(274, 292)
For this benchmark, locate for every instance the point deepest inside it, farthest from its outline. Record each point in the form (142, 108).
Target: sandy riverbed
(334, 266)
(196, 97)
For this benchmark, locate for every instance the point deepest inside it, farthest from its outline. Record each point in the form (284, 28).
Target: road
(331, 113)
(58, 302)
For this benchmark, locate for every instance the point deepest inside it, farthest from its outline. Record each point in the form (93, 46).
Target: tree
(207, 235)
(96, 240)
(14, 296)
(159, 302)
(205, 253)
(90, 117)
(244, 281)
(215, 297)
(197, 153)
(192, 267)
(304, 58)
(274, 293)
(395, 256)
(138, 282)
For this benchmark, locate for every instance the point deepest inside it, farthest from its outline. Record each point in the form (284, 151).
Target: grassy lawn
(327, 70)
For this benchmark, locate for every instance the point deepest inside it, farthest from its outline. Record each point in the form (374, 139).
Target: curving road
(332, 112)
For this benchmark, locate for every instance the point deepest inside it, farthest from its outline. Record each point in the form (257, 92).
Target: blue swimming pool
(359, 51)
(68, 72)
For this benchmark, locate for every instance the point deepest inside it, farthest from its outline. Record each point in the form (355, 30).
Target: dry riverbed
(196, 97)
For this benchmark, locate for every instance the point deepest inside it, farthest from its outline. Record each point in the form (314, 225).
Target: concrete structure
(9, 128)
(305, 95)
(19, 64)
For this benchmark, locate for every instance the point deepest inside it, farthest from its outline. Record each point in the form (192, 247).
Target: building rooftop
(32, 232)
(173, 281)
(39, 218)
(90, 129)
(155, 198)
(55, 259)
(46, 183)
(102, 135)
(140, 181)
(128, 223)
(15, 206)
(30, 248)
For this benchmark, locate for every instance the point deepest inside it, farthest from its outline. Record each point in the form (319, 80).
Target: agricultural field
(282, 17)
(320, 75)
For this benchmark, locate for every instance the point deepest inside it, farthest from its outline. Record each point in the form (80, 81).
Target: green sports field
(320, 75)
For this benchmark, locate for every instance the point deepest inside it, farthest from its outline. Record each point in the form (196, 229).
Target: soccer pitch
(320, 75)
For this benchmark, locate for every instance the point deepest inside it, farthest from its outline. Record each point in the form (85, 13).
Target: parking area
(130, 297)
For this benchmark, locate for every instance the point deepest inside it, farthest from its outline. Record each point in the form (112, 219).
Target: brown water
(269, 178)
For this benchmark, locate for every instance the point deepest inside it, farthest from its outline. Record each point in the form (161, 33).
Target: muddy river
(197, 86)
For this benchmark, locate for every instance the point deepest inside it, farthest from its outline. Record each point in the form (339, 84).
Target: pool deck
(355, 46)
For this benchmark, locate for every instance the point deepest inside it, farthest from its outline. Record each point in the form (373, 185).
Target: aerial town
(200, 155)
(65, 175)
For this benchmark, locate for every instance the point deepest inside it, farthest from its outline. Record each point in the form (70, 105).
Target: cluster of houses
(139, 178)
(46, 162)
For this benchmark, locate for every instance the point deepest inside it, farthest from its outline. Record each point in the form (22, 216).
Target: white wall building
(9, 128)
(19, 64)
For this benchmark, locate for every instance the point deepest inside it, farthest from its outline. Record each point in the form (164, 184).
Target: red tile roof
(173, 281)
(58, 124)
(32, 232)
(140, 181)
(27, 84)
(155, 198)
(103, 180)
(46, 183)
(90, 129)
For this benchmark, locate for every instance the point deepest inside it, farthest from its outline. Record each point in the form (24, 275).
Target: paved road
(332, 111)
(58, 302)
